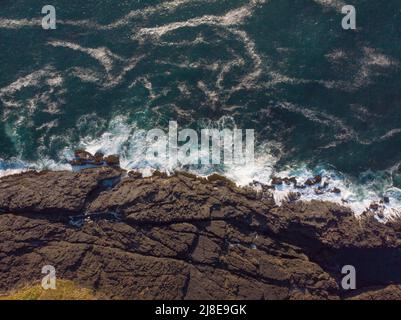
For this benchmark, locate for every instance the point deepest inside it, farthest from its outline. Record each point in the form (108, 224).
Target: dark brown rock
(183, 237)
(277, 181)
(83, 155)
(98, 158)
(374, 206)
(289, 181)
(78, 162)
(313, 181)
(135, 174)
(293, 196)
(112, 160)
(335, 190)
(55, 192)
(85, 158)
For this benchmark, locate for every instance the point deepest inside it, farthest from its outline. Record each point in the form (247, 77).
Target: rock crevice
(183, 237)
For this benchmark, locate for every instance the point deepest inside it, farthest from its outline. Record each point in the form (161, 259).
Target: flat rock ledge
(183, 237)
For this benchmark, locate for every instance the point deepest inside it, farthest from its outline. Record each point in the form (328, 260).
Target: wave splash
(126, 139)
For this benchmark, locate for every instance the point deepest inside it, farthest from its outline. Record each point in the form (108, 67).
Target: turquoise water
(318, 97)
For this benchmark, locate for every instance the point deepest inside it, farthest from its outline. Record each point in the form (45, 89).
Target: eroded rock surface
(182, 237)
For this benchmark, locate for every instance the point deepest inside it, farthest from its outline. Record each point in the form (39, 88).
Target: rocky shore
(183, 237)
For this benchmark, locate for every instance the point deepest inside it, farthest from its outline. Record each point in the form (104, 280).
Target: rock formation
(82, 158)
(183, 237)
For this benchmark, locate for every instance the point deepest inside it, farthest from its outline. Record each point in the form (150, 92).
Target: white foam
(19, 23)
(124, 138)
(231, 18)
(334, 4)
(356, 196)
(103, 55)
(106, 58)
(229, 22)
(9, 172)
(32, 79)
(86, 75)
(46, 77)
(15, 166)
(370, 64)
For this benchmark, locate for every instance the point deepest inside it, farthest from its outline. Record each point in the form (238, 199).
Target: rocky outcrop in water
(82, 158)
(183, 237)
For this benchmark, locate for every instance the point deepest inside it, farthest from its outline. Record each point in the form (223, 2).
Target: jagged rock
(291, 180)
(324, 186)
(52, 192)
(85, 158)
(293, 196)
(82, 154)
(374, 206)
(182, 237)
(319, 191)
(312, 181)
(392, 292)
(277, 181)
(386, 199)
(98, 158)
(112, 160)
(286, 180)
(335, 190)
(82, 157)
(78, 162)
(135, 174)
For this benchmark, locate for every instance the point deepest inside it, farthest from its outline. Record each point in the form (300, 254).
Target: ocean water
(322, 100)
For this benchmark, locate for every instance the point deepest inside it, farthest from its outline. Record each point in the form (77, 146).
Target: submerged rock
(286, 180)
(312, 181)
(277, 181)
(112, 160)
(98, 158)
(291, 180)
(374, 206)
(83, 158)
(335, 190)
(84, 155)
(319, 191)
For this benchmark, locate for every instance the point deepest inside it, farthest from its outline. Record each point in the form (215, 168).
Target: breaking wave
(321, 101)
(126, 139)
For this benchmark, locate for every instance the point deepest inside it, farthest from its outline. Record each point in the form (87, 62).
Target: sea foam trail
(334, 4)
(106, 58)
(229, 22)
